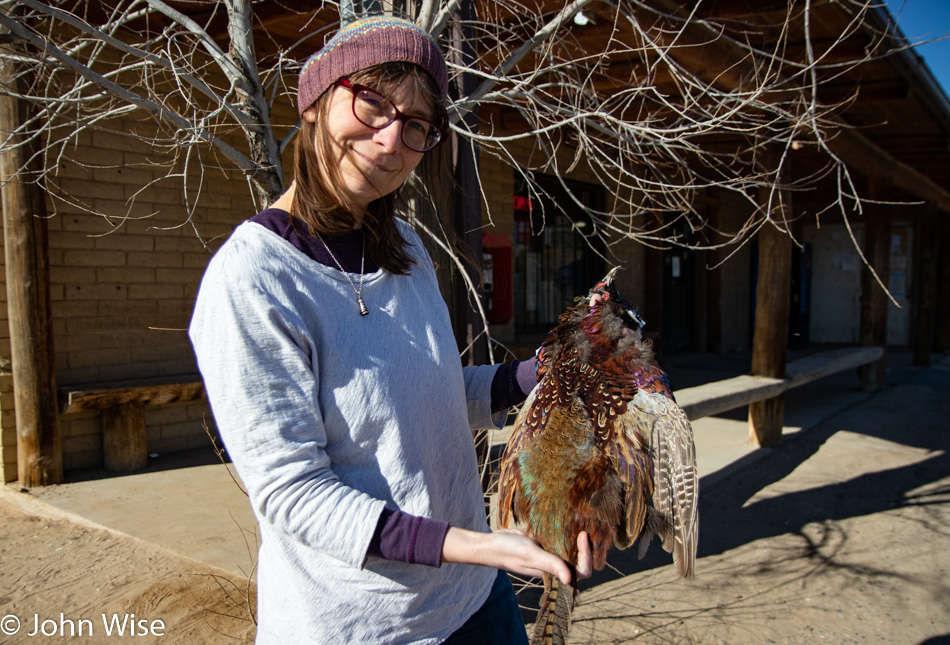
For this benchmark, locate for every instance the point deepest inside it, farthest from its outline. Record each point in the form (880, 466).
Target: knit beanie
(365, 43)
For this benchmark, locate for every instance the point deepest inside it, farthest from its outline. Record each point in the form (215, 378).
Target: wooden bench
(721, 396)
(122, 407)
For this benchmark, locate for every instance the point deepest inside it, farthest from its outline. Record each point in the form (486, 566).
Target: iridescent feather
(599, 446)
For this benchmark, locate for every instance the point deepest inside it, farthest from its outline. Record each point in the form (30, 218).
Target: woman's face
(373, 163)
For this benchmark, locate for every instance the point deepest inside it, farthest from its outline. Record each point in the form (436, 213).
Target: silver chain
(359, 291)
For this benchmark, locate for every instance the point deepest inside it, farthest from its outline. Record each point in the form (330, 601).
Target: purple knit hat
(365, 43)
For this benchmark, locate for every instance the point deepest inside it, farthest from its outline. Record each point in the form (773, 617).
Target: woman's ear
(310, 115)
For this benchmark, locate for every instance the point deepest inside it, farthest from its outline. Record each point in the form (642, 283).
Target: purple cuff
(512, 383)
(408, 538)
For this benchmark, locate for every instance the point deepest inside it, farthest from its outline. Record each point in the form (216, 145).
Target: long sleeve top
(329, 418)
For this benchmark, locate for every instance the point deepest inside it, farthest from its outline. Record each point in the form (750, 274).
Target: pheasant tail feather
(554, 617)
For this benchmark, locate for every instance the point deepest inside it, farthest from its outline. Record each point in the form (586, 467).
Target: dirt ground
(840, 536)
(62, 572)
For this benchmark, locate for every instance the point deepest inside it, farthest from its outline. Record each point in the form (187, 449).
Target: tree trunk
(39, 448)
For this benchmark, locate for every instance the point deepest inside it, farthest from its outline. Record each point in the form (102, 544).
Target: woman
(334, 378)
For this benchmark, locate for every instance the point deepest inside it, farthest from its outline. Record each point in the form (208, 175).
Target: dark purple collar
(347, 248)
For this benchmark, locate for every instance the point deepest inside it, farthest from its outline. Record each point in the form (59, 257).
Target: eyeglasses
(375, 111)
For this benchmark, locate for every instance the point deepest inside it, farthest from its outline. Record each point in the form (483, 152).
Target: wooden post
(39, 448)
(713, 272)
(770, 336)
(925, 286)
(653, 295)
(942, 332)
(877, 250)
(468, 202)
(124, 442)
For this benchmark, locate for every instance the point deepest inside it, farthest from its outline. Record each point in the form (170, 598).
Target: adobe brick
(99, 357)
(125, 242)
(196, 260)
(182, 276)
(128, 371)
(125, 275)
(70, 240)
(129, 307)
(154, 259)
(167, 414)
(116, 141)
(86, 223)
(71, 274)
(157, 194)
(95, 291)
(159, 322)
(122, 175)
(155, 291)
(67, 375)
(97, 324)
(82, 443)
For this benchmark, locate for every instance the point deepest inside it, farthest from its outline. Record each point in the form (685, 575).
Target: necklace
(358, 290)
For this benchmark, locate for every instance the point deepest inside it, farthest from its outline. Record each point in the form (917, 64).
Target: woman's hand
(512, 550)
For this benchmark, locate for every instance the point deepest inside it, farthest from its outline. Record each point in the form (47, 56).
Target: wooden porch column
(877, 250)
(713, 272)
(653, 295)
(468, 202)
(925, 286)
(39, 448)
(942, 333)
(770, 336)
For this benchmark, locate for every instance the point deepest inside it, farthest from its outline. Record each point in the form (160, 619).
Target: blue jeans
(497, 622)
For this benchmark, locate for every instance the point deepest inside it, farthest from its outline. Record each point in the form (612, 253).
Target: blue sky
(924, 20)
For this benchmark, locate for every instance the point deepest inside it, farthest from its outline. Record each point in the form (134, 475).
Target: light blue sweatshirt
(328, 417)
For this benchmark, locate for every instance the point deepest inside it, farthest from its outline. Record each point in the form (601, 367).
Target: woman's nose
(390, 136)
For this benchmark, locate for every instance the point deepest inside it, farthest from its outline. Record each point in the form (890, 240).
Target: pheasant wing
(509, 475)
(657, 459)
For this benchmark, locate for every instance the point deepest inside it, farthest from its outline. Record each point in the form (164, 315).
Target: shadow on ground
(733, 512)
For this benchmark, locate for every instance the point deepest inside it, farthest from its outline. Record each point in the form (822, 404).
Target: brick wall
(123, 286)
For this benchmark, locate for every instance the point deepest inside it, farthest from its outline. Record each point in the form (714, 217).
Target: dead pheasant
(599, 446)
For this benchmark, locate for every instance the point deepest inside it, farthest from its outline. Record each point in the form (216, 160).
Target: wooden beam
(811, 368)
(721, 396)
(105, 398)
(39, 447)
(862, 155)
(770, 336)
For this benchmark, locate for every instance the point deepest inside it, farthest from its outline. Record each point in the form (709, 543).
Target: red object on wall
(496, 268)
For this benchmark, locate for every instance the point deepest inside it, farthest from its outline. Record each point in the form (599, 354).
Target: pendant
(363, 310)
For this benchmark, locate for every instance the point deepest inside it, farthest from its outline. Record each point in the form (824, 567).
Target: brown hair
(321, 204)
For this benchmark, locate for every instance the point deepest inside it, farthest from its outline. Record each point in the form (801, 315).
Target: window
(553, 260)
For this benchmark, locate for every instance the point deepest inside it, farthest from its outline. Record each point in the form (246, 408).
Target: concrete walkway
(190, 503)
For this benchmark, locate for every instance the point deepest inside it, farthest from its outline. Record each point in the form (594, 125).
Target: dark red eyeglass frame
(356, 88)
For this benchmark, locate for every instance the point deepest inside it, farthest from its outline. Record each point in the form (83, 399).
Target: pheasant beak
(602, 288)
(609, 278)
